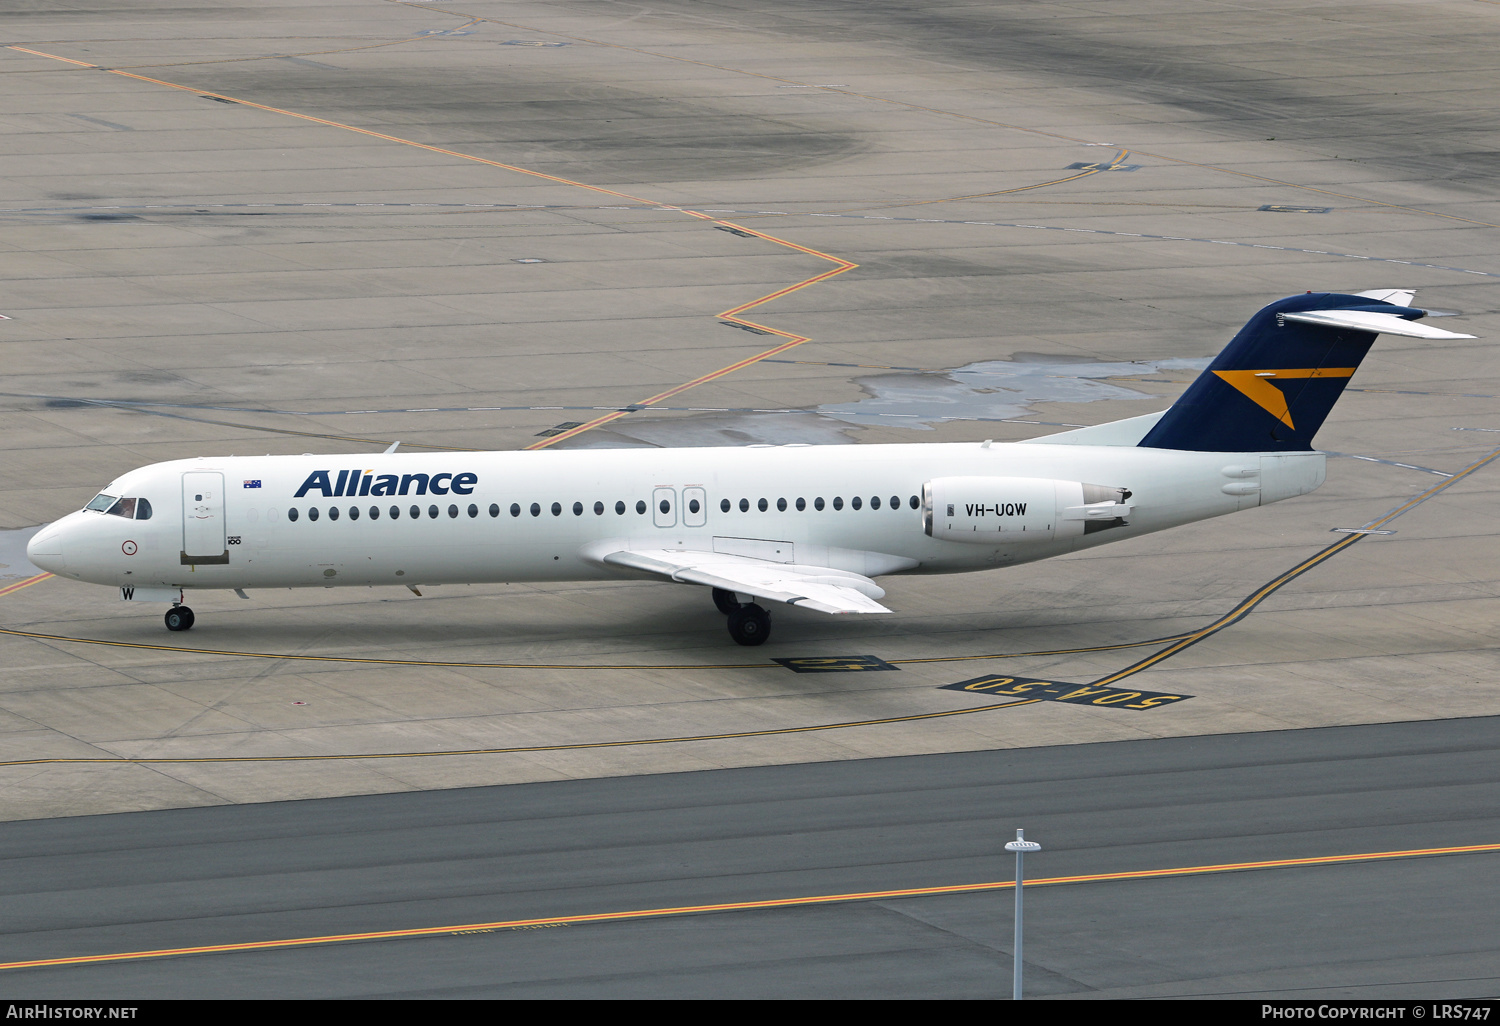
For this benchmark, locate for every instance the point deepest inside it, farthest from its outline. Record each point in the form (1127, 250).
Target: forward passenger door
(203, 531)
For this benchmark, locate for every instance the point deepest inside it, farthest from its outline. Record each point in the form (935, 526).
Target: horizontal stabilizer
(1396, 297)
(1368, 320)
(1129, 431)
(809, 587)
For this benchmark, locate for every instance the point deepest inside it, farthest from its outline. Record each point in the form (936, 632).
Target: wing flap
(809, 587)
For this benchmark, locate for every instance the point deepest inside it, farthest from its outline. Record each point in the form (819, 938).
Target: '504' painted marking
(1060, 691)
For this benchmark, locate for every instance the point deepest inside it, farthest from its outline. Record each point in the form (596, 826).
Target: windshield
(129, 508)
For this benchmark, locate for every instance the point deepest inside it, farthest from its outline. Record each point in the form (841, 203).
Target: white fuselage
(228, 522)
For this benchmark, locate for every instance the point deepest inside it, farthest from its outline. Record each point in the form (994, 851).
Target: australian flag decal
(252, 484)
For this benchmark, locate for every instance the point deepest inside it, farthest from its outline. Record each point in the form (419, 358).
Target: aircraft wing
(809, 587)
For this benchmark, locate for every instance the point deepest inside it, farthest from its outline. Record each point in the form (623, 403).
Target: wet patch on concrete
(999, 389)
(711, 430)
(992, 390)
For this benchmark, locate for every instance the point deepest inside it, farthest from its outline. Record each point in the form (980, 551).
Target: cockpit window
(129, 508)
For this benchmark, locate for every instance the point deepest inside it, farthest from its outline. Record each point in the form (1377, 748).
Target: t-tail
(1272, 387)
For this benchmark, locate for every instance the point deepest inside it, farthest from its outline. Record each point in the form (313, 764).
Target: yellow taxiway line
(150, 760)
(741, 906)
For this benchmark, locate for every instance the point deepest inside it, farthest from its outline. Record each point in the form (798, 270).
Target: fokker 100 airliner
(810, 526)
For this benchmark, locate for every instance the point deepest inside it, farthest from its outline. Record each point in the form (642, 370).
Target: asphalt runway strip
(741, 906)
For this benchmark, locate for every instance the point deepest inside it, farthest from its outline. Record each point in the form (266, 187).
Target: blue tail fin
(1273, 385)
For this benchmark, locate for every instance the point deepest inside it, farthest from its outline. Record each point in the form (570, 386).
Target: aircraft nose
(45, 549)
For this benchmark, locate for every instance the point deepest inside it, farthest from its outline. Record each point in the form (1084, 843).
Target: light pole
(1020, 846)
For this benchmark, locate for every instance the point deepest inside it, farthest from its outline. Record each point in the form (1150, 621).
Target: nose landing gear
(179, 618)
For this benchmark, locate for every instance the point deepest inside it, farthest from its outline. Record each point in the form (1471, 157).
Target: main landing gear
(749, 624)
(179, 618)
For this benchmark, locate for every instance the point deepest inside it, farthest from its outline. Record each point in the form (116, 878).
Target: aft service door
(203, 533)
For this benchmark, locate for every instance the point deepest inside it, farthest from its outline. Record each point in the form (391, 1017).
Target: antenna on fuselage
(393, 445)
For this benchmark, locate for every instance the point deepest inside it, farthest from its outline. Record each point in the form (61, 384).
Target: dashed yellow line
(742, 906)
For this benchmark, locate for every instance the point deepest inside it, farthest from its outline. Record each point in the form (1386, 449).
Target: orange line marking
(730, 314)
(738, 906)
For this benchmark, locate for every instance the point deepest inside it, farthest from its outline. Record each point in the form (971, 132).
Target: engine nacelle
(1013, 510)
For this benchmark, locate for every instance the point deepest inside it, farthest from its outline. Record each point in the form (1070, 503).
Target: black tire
(750, 625)
(179, 618)
(726, 601)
